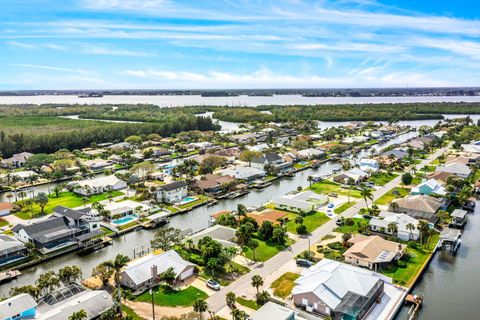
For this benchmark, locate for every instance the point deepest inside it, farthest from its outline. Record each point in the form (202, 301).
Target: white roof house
(222, 234)
(458, 169)
(98, 185)
(127, 205)
(380, 224)
(244, 173)
(369, 165)
(138, 273)
(330, 281)
(310, 153)
(271, 311)
(429, 187)
(22, 304)
(305, 201)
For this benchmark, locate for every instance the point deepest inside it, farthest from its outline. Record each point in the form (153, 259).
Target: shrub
(335, 246)
(302, 229)
(349, 222)
(400, 263)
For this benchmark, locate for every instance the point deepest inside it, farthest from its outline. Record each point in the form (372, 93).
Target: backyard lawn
(67, 199)
(351, 229)
(343, 207)
(248, 303)
(129, 312)
(165, 296)
(284, 285)
(391, 195)
(201, 199)
(223, 278)
(327, 187)
(312, 221)
(266, 250)
(382, 178)
(405, 275)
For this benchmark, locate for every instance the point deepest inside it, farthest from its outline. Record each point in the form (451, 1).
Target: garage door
(186, 274)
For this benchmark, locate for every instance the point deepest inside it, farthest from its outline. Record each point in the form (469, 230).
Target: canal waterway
(194, 220)
(450, 285)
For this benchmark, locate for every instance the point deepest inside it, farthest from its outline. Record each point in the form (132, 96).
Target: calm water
(450, 285)
(182, 100)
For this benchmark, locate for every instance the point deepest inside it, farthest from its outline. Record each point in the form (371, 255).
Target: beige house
(373, 251)
(418, 206)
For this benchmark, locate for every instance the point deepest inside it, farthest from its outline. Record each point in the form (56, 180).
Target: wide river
(195, 100)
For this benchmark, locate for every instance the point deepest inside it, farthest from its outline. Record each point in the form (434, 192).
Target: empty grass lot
(266, 250)
(327, 187)
(382, 178)
(312, 221)
(391, 195)
(165, 296)
(343, 207)
(283, 286)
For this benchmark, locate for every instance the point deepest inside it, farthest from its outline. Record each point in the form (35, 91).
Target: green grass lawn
(416, 180)
(223, 278)
(327, 187)
(343, 207)
(129, 312)
(67, 199)
(252, 304)
(312, 221)
(127, 225)
(351, 229)
(406, 275)
(266, 250)
(201, 199)
(382, 178)
(3, 222)
(165, 296)
(284, 285)
(389, 196)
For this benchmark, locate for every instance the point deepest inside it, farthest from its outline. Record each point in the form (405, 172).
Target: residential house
(272, 161)
(429, 187)
(19, 307)
(17, 160)
(11, 250)
(222, 234)
(311, 153)
(459, 169)
(420, 207)
(369, 165)
(172, 192)
(99, 185)
(5, 208)
(305, 201)
(355, 175)
(473, 147)
(338, 290)
(380, 224)
(441, 177)
(121, 146)
(60, 305)
(98, 164)
(376, 134)
(272, 310)
(373, 252)
(396, 153)
(245, 173)
(213, 183)
(142, 273)
(459, 218)
(128, 208)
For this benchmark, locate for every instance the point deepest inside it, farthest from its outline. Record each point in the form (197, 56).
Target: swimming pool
(187, 200)
(126, 219)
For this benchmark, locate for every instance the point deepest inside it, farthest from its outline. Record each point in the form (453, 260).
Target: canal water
(194, 220)
(450, 285)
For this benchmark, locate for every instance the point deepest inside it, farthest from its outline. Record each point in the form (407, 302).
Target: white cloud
(51, 68)
(30, 46)
(96, 50)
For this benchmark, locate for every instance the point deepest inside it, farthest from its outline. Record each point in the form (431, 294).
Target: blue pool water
(125, 219)
(187, 200)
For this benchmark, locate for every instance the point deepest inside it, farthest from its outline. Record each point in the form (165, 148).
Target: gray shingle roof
(174, 185)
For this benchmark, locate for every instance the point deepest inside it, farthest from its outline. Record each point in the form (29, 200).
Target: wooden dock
(7, 276)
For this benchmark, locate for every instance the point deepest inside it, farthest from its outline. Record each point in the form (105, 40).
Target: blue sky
(176, 44)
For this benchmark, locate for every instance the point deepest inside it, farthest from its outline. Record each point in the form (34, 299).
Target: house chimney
(154, 272)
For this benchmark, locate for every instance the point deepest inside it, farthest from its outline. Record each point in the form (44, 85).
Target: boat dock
(7, 276)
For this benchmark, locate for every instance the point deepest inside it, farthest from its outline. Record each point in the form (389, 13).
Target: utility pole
(151, 293)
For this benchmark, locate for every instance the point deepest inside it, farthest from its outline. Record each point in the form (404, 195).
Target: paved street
(243, 284)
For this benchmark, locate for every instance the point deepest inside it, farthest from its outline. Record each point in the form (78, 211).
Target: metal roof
(16, 305)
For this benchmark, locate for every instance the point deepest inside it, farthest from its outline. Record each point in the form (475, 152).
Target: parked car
(304, 263)
(370, 184)
(340, 222)
(333, 194)
(214, 285)
(367, 216)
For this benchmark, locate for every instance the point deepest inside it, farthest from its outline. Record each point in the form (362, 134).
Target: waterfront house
(172, 192)
(419, 207)
(19, 307)
(459, 218)
(140, 274)
(244, 173)
(213, 183)
(369, 165)
(459, 169)
(311, 153)
(372, 252)
(5, 208)
(271, 161)
(429, 187)
(380, 224)
(11, 250)
(355, 175)
(16, 161)
(128, 208)
(338, 290)
(98, 164)
(80, 220)
(304, 201)
(473, 147)
(99, 185)
(60, 305)
(121, 146)
(272, 310)
(396, 153)
(222, 234)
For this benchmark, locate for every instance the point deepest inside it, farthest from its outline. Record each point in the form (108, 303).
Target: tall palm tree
(200, 306)
(79, 315)
(424, 229)
(257, 282)
(366, 193)
(117, 265)
(410, 227)
(392, 228)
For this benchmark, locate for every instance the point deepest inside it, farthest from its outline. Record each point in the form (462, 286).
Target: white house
(380, 224)
(140, 274)
(98, 185)
(428, 188)
(172, 192)
(369, 165)
(310, 153)
(128, 207)
(459, 169)
(305, 201)
(245, 173)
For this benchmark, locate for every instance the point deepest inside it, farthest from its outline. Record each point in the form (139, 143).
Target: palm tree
(117, 265)
(257, 282)
(200, 306)
(310, 180)
(231, 299)
(79, 315)
(392, 228)
(366, 193)
(424, 229)
(410, 227)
